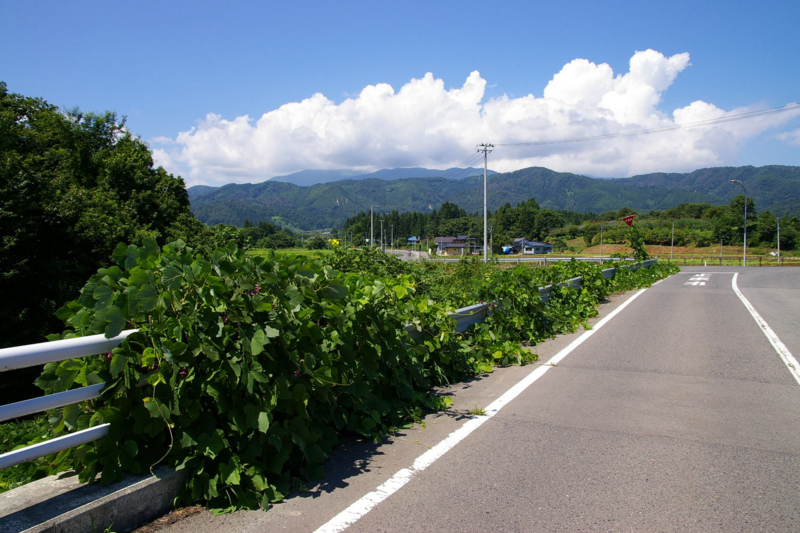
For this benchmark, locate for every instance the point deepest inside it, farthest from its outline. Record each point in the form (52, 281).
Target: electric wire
(455, 172)
(698, 124)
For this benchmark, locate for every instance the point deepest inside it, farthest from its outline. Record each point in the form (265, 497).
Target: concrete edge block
(67, 506)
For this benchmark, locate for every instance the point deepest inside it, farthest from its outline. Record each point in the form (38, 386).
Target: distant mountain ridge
(329, 204)
(307, 178)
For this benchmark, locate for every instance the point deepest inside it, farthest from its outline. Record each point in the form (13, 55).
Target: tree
(767, 229)
(316, 243)
(589, 232)
(278, 240)
(72, 186)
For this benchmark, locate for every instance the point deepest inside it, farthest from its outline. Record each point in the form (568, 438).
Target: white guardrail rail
(61, 350)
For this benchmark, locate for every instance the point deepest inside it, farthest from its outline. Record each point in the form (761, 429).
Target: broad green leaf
(336, 290)
(258, 341)
(116, 322)
(118, 364)
(130, 448)
(263, 422)
(172, 277)
(400, 291)
(271, 332)
(103, 296)
(295, 297)
(147, 295)
(119, 254)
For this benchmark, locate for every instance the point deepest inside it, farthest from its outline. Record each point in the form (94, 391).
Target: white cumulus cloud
(426, 124)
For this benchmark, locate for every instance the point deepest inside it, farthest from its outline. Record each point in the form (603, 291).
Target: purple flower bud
(297, 373)
(109, 356)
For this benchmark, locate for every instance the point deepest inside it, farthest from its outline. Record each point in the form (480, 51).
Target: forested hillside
(771, 185)
(776, 188)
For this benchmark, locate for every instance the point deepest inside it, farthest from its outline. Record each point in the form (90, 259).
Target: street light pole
(744, 254)
(779, 242)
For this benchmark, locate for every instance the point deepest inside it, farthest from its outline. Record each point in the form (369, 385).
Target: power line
(701, 123)
(460, 169)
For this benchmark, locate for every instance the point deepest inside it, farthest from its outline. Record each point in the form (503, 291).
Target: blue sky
(207, 84)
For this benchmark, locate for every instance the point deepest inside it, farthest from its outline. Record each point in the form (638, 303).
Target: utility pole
(601, 243)
(779, 242)
(744, 255)
(371, 225)
(382, 250)
(672, 246)
(485, 148)
(392, 237)
(491, 238)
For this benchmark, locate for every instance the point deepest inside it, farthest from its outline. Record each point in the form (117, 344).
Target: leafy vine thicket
(247, 370)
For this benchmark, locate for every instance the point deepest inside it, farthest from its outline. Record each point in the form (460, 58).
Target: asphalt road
(676, 415)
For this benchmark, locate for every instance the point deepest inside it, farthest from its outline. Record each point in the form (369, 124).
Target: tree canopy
(72, 186)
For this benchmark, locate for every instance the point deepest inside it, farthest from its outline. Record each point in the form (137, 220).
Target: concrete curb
(66, 506)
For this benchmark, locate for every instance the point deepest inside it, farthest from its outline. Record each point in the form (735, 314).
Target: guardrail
(538, 258)
(61, 350)
(50, 352)
(477, 313)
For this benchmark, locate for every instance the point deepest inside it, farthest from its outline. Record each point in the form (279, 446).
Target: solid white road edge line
(783, 351)
(366, 503)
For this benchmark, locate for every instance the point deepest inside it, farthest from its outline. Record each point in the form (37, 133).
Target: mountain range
(307, 178)
(326, 204)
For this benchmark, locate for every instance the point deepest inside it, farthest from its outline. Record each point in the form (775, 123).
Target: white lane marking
(783, 351)
(703, 273)
(367, 502)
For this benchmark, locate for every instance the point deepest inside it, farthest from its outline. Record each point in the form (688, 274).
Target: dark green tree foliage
(72, 185)
(278, 240)
(255, 233)
(316, 243)
(729, 225)
(524, 220)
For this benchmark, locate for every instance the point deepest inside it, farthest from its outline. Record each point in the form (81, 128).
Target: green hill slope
(329, 204)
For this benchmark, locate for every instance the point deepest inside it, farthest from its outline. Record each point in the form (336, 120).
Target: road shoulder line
(784, 353)
(367, 502)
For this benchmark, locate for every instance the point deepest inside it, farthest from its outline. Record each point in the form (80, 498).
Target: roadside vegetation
(256, 365)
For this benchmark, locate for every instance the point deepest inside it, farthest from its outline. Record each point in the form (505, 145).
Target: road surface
(675, 413)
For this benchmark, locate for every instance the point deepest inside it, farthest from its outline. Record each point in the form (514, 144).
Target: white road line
(706, 272)
(367, 502)
(783, 351)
